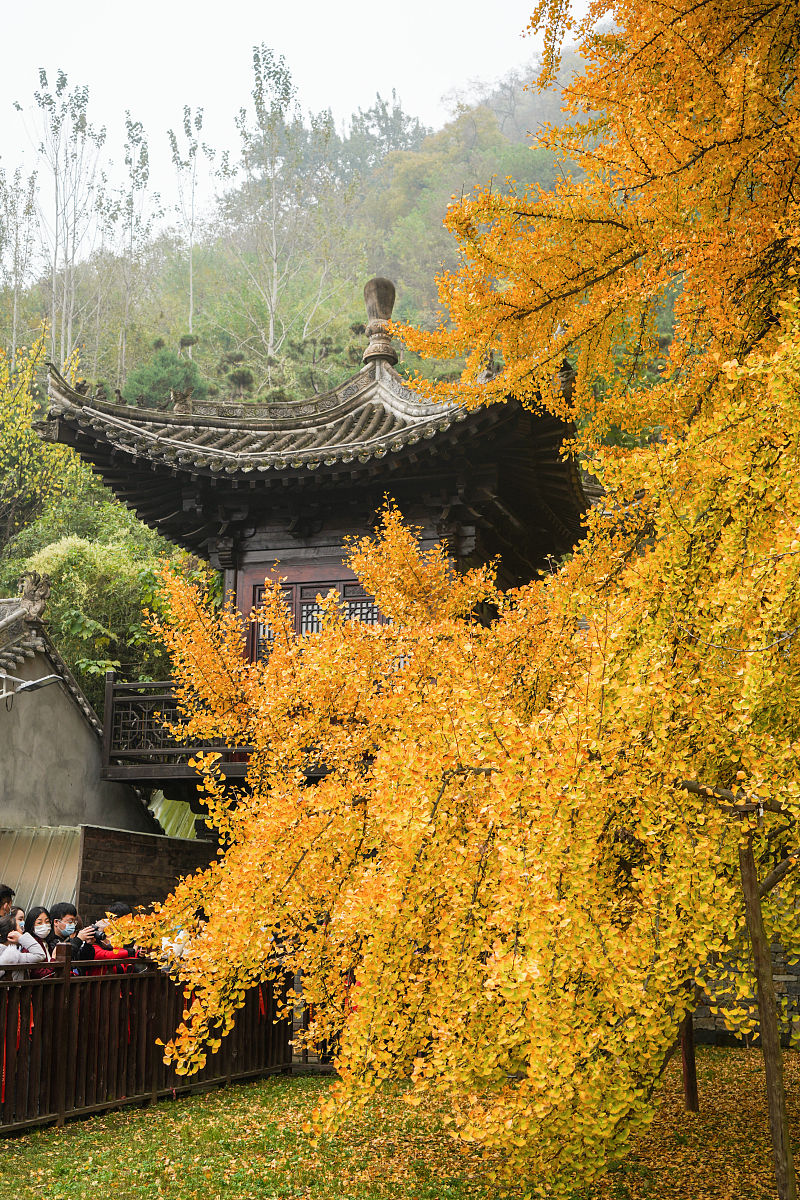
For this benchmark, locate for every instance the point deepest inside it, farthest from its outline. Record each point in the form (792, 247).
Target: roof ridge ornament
(34, 590)
(379, 296)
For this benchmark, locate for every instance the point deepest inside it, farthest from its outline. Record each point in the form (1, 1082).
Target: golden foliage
(493, 888)
(31, 471)
(492, 884)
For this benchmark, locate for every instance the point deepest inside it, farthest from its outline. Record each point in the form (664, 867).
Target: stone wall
(134, 867)
(710, 1027)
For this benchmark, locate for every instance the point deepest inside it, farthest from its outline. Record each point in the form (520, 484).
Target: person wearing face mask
(18, 917)
(64, 916)
(17, 949)
(6, 898)
(38, 923)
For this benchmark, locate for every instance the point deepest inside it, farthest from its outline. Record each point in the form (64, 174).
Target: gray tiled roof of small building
(23, 637)
(18, 638)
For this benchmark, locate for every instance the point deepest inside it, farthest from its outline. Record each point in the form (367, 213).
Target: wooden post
(62, 955)
(688, 1064)
(155, 984)
(768, 1019)
(108, 717)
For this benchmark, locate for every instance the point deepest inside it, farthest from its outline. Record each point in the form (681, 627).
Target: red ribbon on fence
(19, 1039)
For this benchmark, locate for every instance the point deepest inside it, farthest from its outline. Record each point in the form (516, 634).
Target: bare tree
(69, 148)
(18, 229)
(185, 160)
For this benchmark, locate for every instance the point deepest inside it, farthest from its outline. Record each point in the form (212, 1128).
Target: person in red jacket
(103, 950)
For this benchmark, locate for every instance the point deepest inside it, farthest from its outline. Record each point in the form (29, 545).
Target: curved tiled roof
(211, 475)
(368, 417)
(21, 637)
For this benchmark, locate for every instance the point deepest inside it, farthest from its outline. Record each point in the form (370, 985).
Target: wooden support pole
(690, 1096)
(768, 1019)
(62, 955)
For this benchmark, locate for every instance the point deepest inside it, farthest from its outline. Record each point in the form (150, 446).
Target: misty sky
(153, 58)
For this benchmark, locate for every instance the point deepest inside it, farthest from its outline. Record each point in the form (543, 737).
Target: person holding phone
(67, 931)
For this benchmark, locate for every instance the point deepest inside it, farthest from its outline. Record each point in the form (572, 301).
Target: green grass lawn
(247, 1143)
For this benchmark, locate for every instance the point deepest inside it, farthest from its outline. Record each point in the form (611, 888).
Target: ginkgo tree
(506, 858)
(31, 472)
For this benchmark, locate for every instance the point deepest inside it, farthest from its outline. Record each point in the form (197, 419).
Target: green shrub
(150, 385)
(95, 611)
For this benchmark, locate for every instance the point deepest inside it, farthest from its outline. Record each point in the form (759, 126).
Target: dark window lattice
(302, 599)
(365, 610)
(265, 636)
(309, 617)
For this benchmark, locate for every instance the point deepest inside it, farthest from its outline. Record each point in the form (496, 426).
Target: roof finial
(379, 297)
(33, 591)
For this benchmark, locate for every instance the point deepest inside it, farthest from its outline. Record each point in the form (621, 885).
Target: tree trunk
(690, 1096)
(14, 321)
(768, 1018)
(191, 252)
(191, 289)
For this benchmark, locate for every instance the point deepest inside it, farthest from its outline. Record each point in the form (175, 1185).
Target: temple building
(254, 488)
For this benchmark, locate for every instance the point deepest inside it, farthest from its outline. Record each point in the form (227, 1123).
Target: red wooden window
(302, 599)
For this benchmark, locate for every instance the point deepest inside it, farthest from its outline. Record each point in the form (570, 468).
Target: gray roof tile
(369, 416)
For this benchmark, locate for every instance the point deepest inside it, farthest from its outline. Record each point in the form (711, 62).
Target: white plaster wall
(50, 764)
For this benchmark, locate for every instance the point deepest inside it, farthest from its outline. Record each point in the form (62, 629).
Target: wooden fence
(79, 1044)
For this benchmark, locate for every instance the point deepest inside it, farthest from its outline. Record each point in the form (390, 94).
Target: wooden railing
(137, 742)
(72, 1044)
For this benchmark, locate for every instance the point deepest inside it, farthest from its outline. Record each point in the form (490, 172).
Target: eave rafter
(177, 469)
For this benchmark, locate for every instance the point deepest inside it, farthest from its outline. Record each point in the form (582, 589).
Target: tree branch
(777, 874)
(733, 802)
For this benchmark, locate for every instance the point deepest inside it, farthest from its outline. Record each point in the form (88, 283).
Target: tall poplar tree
(284, 227)
(186, 161)
(69, 149)
(18, 227)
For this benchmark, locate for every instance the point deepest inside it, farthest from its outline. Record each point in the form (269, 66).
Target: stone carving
(489, 368)
(181, 402)
(34, 590)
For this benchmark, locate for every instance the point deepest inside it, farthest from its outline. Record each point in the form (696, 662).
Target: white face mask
(69, 928)
(41, 931)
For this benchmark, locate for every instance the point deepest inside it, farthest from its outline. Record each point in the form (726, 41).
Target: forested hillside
(259, 285)
(246, 282)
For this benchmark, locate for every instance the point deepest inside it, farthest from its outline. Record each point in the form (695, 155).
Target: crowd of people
(29, 939)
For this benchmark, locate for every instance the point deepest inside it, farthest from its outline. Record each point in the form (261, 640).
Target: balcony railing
(138, 743)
